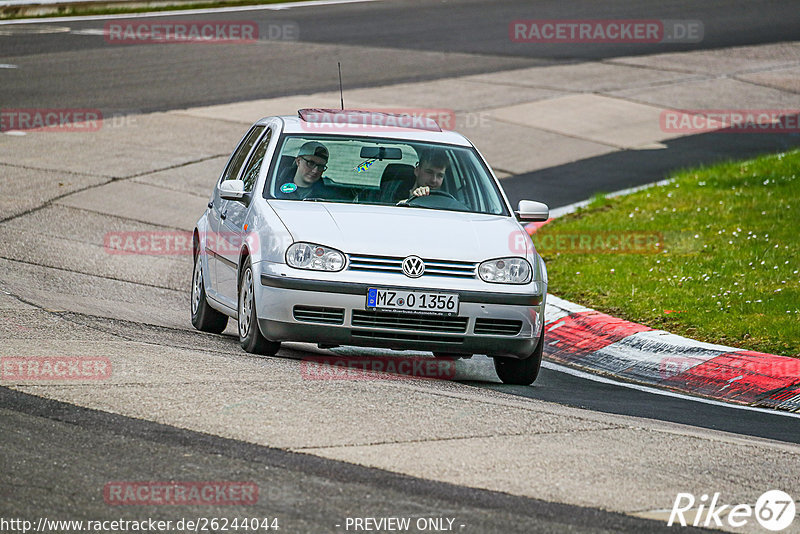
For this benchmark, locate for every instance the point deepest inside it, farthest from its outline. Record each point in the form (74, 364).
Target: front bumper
(333, 312)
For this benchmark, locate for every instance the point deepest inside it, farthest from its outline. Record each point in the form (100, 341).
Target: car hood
(402, 231)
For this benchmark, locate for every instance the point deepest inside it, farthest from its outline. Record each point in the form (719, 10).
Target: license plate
(412, 301)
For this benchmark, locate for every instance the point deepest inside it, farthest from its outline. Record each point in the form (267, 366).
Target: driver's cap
(313, 148)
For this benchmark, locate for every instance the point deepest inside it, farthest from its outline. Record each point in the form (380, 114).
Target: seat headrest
(398, 171)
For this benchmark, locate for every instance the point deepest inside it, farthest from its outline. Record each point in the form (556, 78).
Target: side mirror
(232, 190)
(530, 210)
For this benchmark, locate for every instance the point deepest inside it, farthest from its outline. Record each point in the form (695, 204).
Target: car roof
(294, 124)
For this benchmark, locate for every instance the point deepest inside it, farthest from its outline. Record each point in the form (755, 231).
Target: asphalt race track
(421, 40)
(307, 493)
(568, 454)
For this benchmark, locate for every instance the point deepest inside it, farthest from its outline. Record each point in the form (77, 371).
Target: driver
(429, 172)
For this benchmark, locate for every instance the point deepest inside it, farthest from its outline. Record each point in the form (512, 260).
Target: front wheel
(520, 372)
(451, 355)
(204, 317)
(250, 337)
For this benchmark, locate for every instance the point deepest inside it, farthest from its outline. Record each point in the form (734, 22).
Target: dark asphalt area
(569, 390)
(57, 458)
(577, 181)
(418, 39)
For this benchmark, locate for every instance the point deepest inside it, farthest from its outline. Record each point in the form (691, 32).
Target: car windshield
(384, 172)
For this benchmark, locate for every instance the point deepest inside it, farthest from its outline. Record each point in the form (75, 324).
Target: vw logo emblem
(413, 267)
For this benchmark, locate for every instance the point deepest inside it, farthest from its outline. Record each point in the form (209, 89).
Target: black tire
(250, 337)
(450, 355)
(520, 372)
(204, 317)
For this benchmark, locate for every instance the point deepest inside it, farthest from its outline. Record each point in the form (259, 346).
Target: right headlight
(314, 257)
(505, 271)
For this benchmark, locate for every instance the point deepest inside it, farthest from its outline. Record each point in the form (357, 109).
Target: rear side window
(250, 174)
(236, 161)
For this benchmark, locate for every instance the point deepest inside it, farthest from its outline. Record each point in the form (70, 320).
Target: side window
(232, 170)
(250, 174)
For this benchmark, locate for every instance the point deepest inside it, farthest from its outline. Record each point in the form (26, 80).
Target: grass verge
(713, 255)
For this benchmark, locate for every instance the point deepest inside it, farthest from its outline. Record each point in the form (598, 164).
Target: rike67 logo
(774, 510)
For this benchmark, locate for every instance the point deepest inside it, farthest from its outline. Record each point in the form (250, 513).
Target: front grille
(498, 327)
(314, 314)
(403, 336)
(409, 321)
(390, 264)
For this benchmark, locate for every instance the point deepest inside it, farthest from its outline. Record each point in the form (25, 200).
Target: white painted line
(566, 305)
(655, 391)
(90, 31)
(7, 66)
(630, 190)
(188, 12)
(571, 208)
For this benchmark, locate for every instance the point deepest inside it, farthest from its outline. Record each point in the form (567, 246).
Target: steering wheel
(437, 199)
(441, 193)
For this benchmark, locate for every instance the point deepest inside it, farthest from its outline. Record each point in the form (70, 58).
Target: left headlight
(314, 257)
(505, 271)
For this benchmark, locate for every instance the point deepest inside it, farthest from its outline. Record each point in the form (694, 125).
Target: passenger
(429, 172)
(303, 178)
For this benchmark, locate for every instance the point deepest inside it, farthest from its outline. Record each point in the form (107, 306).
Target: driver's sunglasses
(312, 164)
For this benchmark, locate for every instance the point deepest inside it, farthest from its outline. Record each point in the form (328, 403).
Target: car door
(215, 242)
(233, 224)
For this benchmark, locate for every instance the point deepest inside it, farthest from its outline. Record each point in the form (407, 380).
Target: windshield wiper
(320, 199)
(405, 204)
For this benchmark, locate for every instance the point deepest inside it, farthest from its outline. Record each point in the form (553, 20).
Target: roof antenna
(341, 93)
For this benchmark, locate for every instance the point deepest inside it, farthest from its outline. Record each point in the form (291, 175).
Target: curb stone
(587, 339)
(590, 340)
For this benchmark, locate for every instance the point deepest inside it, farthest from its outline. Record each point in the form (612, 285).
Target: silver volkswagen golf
(369, 229)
